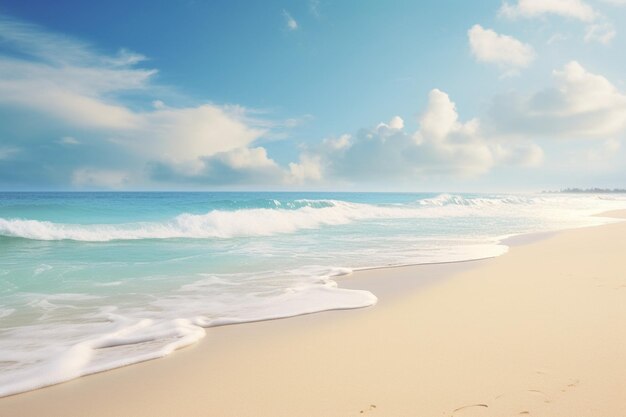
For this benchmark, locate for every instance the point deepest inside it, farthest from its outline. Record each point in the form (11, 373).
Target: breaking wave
(287, 217)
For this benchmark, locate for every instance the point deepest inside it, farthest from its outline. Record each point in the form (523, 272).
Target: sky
(351, 95)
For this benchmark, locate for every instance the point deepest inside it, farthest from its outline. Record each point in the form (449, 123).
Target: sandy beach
(539, 331)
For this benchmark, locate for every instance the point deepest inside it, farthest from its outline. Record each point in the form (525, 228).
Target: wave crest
(282, 217)
(458, 200)
(303, 214)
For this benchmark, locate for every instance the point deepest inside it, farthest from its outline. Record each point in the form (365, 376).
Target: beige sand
(540, 331)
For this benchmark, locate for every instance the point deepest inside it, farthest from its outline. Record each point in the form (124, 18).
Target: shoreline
(508, 240)
(398, 285)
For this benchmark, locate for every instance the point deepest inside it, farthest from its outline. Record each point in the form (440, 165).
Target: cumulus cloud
(576, 9)
(580, 104)
(396, 123)
(339, 143)
(245, 166)
(502, 50)
(447, 143)
(308, 169)
(122, 146)
(443, 146)
(290, 22)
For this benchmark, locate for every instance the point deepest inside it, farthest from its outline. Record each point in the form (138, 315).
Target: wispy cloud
(56, 48)
(599, 28)
(600, 32)
(6, 152)
(576, 9)
(290, 22)
(615, 2)
(74, 86)
(69, 140)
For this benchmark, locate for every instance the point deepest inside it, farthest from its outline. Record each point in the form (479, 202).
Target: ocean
(95, 281)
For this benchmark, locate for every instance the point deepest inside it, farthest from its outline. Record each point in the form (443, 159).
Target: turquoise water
(92, 281)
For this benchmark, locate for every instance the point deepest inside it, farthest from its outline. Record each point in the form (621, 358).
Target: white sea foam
(214, 224)
(458, 200)
(308, 214)
(5, 312)
(42, 268)
(111, 336)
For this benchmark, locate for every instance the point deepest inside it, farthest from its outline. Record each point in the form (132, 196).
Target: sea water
(94, 281)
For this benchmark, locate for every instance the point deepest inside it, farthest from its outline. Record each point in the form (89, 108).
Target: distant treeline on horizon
(589, 190)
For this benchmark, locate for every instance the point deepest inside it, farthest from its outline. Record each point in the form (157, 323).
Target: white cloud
(184, 135)
(309, 168)
(576, 9)
(246, 165)
(71, 84)
(66, 105)
(440, 117)
(57, 48)
(290, 21)
(600, 32)
(246, 158)
(599, 29)
(69, 140)
(502, 50)
(342, 142)
(396, 123)
(581, 104)
(442, 147)
(450, 144)
(158, 104)
(219, 144)
(66, 79)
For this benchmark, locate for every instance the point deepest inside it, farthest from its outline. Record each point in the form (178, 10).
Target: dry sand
(540, 331)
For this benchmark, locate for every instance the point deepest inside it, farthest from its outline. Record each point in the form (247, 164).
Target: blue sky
(320, 95)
